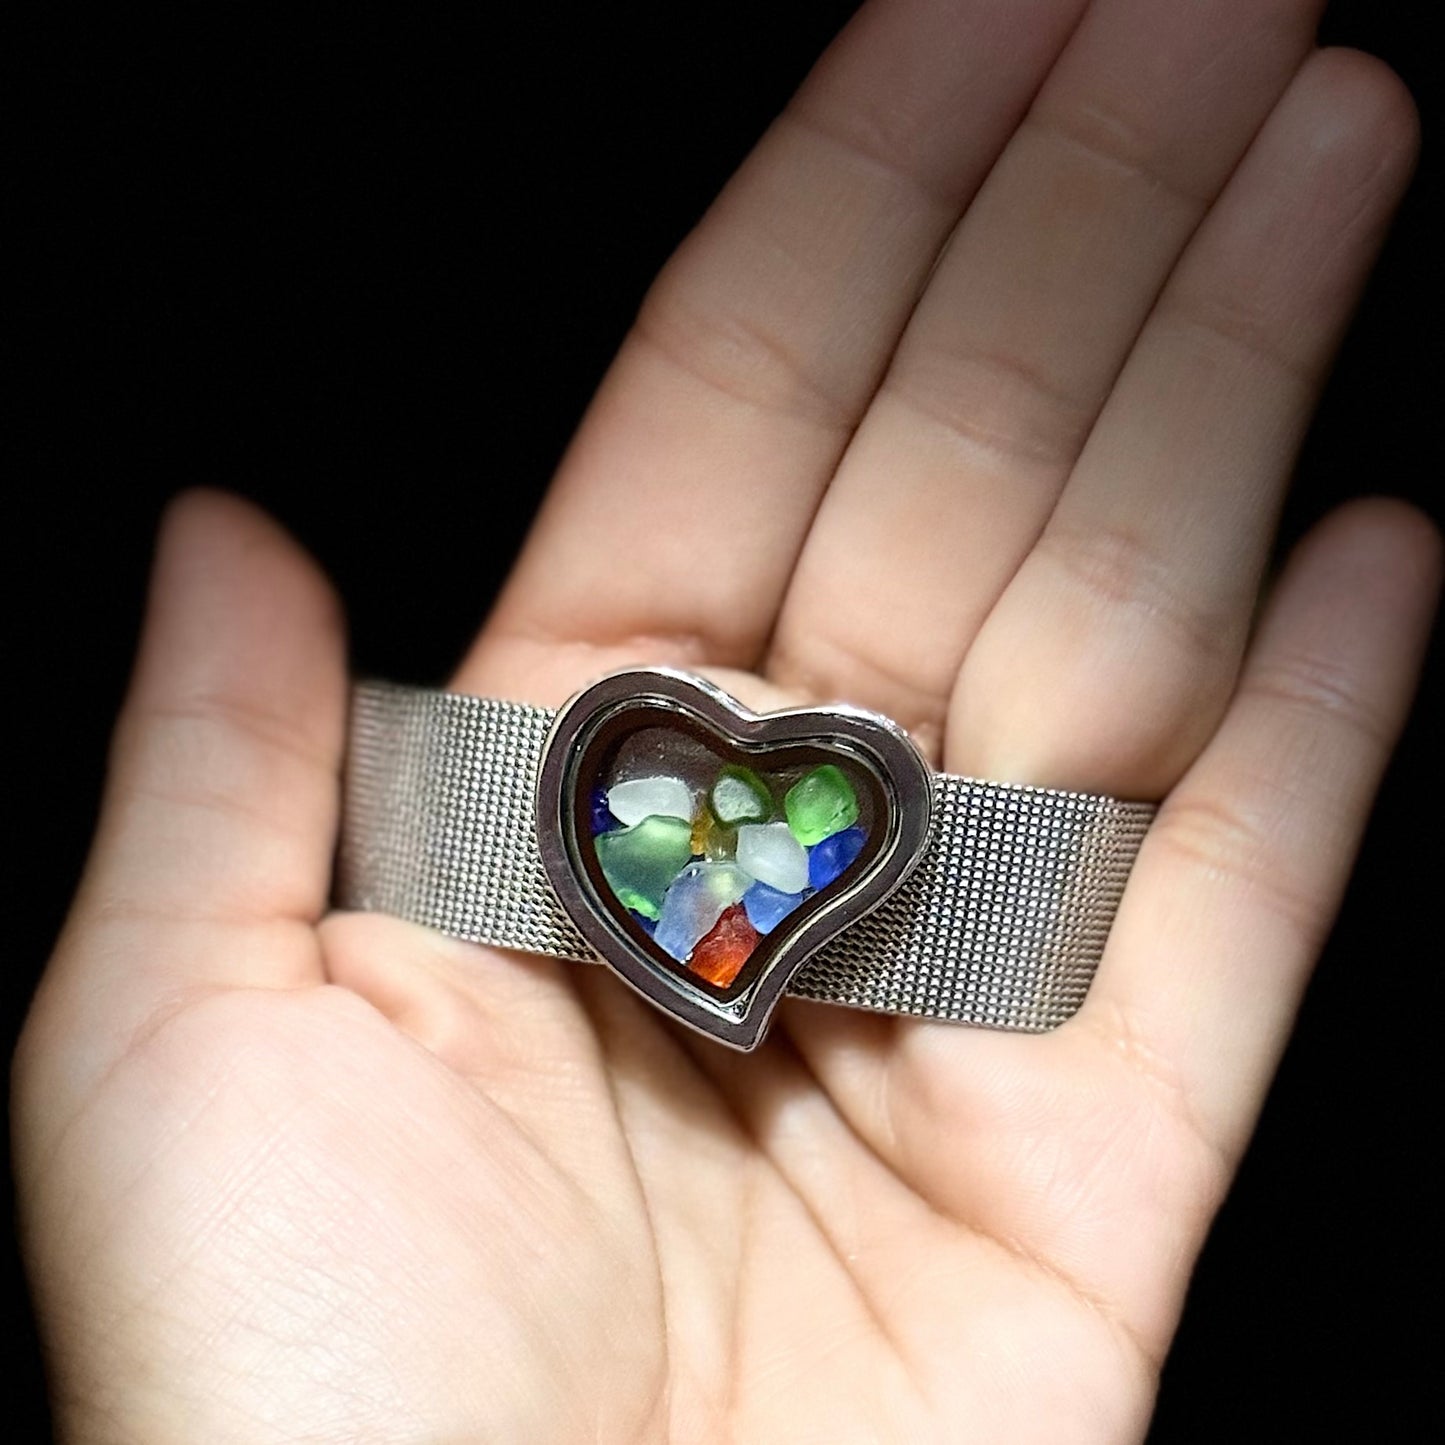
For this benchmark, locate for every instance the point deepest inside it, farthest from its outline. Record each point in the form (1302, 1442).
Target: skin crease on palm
(1021, 309)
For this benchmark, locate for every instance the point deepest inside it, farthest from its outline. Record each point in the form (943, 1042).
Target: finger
(1242, 872)
(1219, 927)
(679, 509)
(1013, 348)
(213, 854)
(1109, 658)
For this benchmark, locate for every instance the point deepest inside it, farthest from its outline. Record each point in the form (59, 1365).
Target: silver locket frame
(868, 739)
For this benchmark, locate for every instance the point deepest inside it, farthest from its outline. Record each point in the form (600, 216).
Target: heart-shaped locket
(705, 851)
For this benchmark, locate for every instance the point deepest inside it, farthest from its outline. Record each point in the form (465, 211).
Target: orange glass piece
(720, 955)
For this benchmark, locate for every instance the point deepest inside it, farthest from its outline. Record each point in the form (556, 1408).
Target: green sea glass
(820, 804)
(641, 861)
(740, 796)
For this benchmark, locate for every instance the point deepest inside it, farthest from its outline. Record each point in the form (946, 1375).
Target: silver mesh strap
(1002, 923)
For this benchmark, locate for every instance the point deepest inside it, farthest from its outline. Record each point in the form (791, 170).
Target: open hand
(971, 400)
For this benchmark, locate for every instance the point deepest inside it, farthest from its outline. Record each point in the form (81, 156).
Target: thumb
(213, 853)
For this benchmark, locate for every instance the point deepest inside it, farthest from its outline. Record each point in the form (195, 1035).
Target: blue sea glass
(602, 819)
(829, 859)
(766, 907)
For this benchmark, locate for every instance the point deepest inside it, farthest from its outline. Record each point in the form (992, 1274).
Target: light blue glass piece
(694, 904)
(767, 907)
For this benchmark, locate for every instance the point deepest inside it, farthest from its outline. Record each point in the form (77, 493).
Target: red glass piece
(719, 956)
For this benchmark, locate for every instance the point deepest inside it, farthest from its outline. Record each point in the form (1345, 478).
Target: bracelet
(715, 858)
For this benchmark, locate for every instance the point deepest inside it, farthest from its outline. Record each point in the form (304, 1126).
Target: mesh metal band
(1002, 923)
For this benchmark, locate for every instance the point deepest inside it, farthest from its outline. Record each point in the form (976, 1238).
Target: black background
(368, 270)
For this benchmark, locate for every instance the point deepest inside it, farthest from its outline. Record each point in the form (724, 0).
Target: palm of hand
(475, 1196)
(295, 1174)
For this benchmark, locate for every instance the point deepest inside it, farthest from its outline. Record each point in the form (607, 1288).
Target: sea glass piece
(602, 818)
(829, 859)
(820, 804)
(686, 827)
(695, 902)
(766, 907)
(711, 840)
(722, 952)
(770, 853)
(740, 796)
(658, 797)
(640, 862)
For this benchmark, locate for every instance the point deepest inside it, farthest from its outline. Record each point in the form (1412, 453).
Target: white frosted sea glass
(640, 798)
(770, 853)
